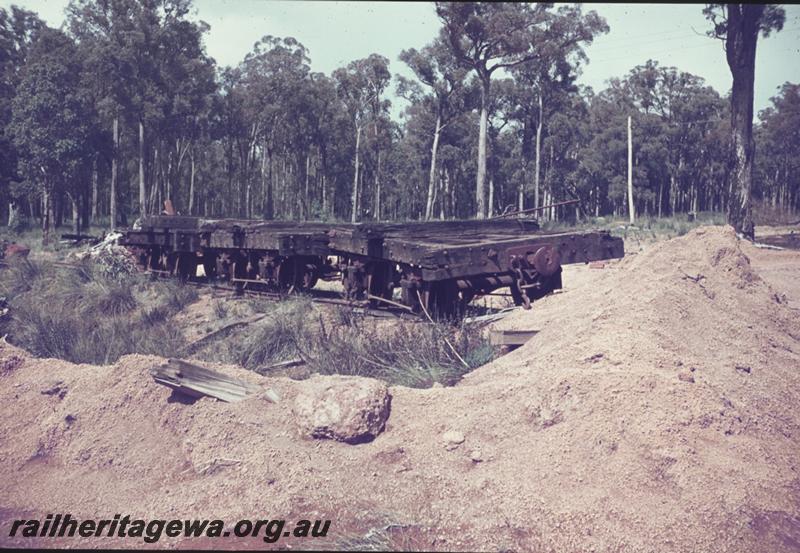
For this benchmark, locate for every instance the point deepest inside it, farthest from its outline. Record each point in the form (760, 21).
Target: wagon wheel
(444, 300)
(239, 271)
(286, 274)
(154, 261)
(222, 266)
(210, 265)
(310, 277)
(380, 282)
(186, 266)
(355, 280)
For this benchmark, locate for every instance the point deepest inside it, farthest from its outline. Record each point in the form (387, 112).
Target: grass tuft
(85, 317)
(408, 353)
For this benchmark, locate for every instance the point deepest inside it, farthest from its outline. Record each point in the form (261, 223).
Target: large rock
(345, 408)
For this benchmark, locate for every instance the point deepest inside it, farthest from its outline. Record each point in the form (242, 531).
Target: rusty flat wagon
(437, 266)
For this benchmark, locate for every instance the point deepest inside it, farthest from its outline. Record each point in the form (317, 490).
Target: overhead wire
(667, 52)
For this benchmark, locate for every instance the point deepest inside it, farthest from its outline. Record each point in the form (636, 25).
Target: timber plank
(510, 337)
(197, 381)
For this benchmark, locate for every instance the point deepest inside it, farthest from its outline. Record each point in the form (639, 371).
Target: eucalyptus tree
(92, 24)
(436, 68)
(359, 86)
(275, 70)
(542, 90)
(50, 120)
(147, 53)
(688, 110)
(115, 34)
(488, 36)
(18, 29)
(778, 161)
(319, 121)
(547, 79)
(739, 26)
(185, 77)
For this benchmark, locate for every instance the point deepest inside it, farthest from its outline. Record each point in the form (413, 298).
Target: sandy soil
(656, 410)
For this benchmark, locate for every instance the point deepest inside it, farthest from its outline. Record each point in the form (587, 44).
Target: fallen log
(491, 317)
(767, 246)
(281, 365)
(196, 381)
(192, 346)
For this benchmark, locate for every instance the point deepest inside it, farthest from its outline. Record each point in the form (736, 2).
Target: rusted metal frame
(287, 243)
(348, 240)
(178, 222)
(145, 238)
(444, 263)
(185, 241)
(589, 246)
(495, 256)
(355, 276)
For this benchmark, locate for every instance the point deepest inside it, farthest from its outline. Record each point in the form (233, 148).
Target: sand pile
(656, 410)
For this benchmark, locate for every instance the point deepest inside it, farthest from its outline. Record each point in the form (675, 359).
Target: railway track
(316, 296)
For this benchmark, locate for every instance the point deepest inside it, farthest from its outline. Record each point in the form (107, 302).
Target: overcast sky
(338, 32)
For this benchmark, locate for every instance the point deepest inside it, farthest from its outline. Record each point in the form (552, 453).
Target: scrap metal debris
(112, 258)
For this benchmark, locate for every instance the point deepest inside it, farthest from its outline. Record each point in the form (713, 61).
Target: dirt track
(656, 410)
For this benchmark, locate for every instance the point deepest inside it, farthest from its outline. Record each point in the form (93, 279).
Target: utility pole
(630, 172)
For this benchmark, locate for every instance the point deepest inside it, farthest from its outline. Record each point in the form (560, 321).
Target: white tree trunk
(142, 189)
(112, 201)
(631, 213)
(76, 216)
(94, 190)
(354, 214)
(378, 189)
(480, 180)
(490, 207)
(191, 182)
(306, 199)
(432, 175)
(538, 154)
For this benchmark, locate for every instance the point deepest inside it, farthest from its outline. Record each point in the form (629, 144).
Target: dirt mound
(656, 409)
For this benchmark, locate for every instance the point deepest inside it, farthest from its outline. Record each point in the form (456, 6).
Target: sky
(336, 33)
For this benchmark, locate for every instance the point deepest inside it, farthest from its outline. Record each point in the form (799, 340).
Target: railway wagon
(437, 266)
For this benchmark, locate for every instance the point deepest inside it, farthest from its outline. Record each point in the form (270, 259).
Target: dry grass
(408, 353)
(83, 317)
(646, 227)
(765, 214)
